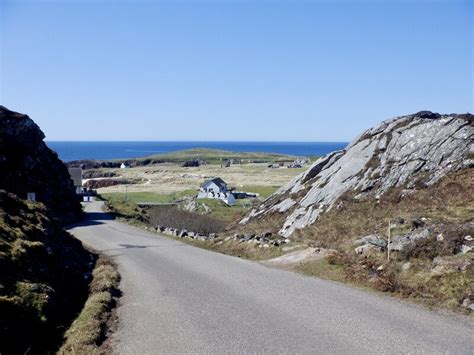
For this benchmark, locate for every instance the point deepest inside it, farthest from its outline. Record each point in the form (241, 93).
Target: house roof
(218, 181)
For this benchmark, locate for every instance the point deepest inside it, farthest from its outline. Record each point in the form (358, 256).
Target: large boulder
(401, 242)
(406, 151)
(28, 165)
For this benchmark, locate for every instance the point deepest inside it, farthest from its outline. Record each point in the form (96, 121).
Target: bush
(172, 217)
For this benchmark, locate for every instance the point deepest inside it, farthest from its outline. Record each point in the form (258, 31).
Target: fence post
(389, 237)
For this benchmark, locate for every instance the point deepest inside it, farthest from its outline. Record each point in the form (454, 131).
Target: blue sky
(232, 70)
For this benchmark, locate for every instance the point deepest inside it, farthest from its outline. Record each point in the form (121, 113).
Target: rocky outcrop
(28, 165)
(106, 182)
(406, 151)
(94, 174)
(193, 163)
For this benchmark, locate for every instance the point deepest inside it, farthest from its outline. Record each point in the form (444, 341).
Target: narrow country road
(182, 299)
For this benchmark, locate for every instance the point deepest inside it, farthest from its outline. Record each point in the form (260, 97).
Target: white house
(302, 160)
(218, 189)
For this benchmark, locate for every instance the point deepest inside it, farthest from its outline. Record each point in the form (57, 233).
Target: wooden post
(388, 242)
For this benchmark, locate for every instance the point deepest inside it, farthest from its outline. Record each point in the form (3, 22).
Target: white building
(302, 160)
(76, 177)
(216, 188)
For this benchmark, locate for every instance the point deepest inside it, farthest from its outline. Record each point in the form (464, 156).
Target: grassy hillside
(210, 156)
(44, 275)
(214, 156)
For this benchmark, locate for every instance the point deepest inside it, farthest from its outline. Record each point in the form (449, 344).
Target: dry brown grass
(446, 289)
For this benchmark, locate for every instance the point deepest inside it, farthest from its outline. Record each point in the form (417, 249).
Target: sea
(75, 150)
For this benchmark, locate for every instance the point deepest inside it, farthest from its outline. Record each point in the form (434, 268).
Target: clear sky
(232, 70)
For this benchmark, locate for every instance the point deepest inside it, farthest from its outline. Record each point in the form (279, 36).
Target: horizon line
(186, 141)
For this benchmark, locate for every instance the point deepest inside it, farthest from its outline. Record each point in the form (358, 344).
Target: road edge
(91, 330)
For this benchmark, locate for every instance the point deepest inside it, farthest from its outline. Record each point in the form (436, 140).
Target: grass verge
(323, 269)
(88, 332)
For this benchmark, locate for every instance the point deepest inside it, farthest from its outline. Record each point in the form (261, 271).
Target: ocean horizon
(106, 150)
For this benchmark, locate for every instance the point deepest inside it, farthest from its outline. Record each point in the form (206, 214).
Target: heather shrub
(172, 217)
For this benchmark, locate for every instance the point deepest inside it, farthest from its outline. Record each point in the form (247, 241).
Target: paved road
(181, 299)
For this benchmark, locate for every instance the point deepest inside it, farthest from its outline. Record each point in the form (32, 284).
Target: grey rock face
(370, 242)
(283, 206)
(466, 249)
(404, 151)
(400, 242)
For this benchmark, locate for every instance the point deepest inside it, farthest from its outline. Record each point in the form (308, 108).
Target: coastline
(111, 150)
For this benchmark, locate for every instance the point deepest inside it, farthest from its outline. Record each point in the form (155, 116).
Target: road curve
(182, 299)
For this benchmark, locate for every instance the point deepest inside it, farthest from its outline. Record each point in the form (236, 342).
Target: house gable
(216, 184)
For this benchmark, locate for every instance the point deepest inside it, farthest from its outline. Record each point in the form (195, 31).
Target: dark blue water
(68, 151)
